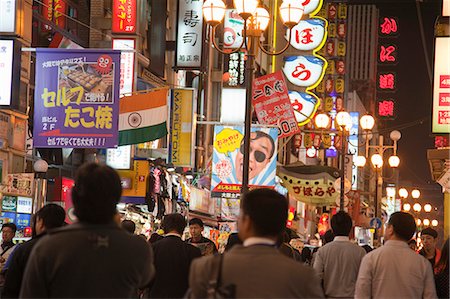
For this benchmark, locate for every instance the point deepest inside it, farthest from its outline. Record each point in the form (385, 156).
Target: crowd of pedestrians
(99, 257)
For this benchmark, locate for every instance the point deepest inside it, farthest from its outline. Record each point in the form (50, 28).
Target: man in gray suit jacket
(257, 269)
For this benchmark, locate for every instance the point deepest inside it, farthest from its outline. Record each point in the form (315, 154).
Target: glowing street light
(406, 207)
(417, 207)
(426, 222)
(415, 194)
(427, 208)
(403, 193)
(434, 222)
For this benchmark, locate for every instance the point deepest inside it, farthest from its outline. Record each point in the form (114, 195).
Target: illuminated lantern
(305, 106)
(308, 35)
(311, 6)
(304, 71)
(291, 216)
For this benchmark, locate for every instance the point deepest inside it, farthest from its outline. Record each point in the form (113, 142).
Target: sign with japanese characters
(308, 35)
(126, 63)
(304, 71)
(7, 16)
(76, 102)
(441, 87)
(272, 105)
(6, 67)
(228, 159)
(189, 36)
(305, 106)
(388, 26)
(21, 184)
(232, 30)
(54, 11)
(235, 69)
(311, 6)
(124, 16)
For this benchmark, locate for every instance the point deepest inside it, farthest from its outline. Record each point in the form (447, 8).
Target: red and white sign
(441, 89)
(54, 11)
(308, 35)
(124, 16)
(126, 63)
(304, 71)
(272, 104)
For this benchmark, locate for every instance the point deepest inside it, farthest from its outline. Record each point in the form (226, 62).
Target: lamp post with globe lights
(256, 20)
(40, 168)
(377, 162)
(344, 122)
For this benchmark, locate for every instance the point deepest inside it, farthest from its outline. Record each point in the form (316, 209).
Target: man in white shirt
(257, 269)
(337, 263)
(394, 270)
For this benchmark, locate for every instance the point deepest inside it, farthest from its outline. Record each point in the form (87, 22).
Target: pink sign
(444, 81)
(272, 104)
(444, 99)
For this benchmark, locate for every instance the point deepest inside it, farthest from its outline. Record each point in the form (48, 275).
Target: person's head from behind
(173, 223)
(233, 239)
(341, 223)
(96, 192)
(429, 238)
(412, 244)
(49, 217)
(129, 226)
(401, 226)
(8, 232)
(196, 228)
(263, 214)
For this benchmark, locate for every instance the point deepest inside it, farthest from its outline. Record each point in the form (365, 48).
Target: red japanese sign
(388, 54)
(386, 108)
(444, 99)
(124, 16)
(444, 81)
(388, 26)
(444, 117)
(54, 11)
(272, 104)
(386, 81)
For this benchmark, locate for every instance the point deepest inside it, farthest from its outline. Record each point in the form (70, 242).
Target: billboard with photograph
(76, 98)
(228, 159)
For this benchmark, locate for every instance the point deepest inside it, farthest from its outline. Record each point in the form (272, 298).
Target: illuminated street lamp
(367, 122)
(406, 207)
(427, 208)
(434, 222)
(418, 221)
(377, 160)
(417, 207)
(256, 20)
(322, 121)
(426, 222)
(359, 161)
(403, 193)
(415, 194)
(394, 161)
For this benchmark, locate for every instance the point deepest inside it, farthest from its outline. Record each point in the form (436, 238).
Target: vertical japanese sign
(8, 16)
(76, 98)
(124, 16)
(126, 81)
(228, 159)
(189, 35)
(6, 75)
(441, 88)
(54, 11)
(272, 104)
(182, 128)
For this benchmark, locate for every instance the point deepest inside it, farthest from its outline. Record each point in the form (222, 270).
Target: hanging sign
(304, 71)
(441, 87)
(126, 63)
(272, 105)
(6, 71)
(8, 16)
(189, 36)
(76, 101)
(305, 106)
(232, 30)
(21, 184)
(311, 6)
(308, 35)
(228, 159)
(124, 16)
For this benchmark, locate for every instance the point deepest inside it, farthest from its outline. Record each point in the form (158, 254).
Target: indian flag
(143, 117)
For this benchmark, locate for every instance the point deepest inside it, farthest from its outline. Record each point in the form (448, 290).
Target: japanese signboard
(54, 11)
(228, 159)
(137, 178)
(20, 184)
(6, 74)
(24, 205)
(76, 100)
(308, 35)
(124, 16)
(126, 63)
(182, 127)
(189, 36)
(441, 87)
(200, 200)
(119, 158)
(232, 31)
(7, 16)
(304, 71)
(235, 68)
(272, 105)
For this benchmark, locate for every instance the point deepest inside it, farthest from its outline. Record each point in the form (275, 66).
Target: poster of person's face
(228, 158)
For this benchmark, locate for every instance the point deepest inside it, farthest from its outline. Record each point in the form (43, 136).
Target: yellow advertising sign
(182, 127)
(134, 181)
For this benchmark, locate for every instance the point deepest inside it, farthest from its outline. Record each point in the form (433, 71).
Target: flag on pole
(143, 117)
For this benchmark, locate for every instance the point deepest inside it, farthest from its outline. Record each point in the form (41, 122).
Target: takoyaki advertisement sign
(76, 101)
(228, 159)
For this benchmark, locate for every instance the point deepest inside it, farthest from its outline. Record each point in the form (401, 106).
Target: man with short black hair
(8, 234)
(337, 263)
(49, 217)
(129, 226)
(173, 259)
(394, 270)
(87, 252)
(256, 269)
(429, 251)
(206, 246)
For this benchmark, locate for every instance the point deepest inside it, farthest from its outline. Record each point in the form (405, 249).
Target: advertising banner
(8, 16)
(200, 200)
(441, 89)
(126, 63)
(272, 104)
(21, 184)
(182, 128)
(228, 159)
(76, 98)
(137, 178)
(189, 34)
(124, 16)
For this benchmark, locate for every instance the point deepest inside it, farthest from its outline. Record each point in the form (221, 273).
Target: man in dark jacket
(49, 217)
(173, 259)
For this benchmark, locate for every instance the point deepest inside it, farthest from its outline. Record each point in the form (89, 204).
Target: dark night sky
(414, 92)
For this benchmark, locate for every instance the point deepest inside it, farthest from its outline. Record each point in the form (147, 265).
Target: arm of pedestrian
(34, 284)
(429, 290)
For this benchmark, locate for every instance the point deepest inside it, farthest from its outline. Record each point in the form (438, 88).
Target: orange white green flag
(143, 117)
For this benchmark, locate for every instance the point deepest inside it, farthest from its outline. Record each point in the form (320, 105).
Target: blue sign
(23, 220)
(375, 222)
